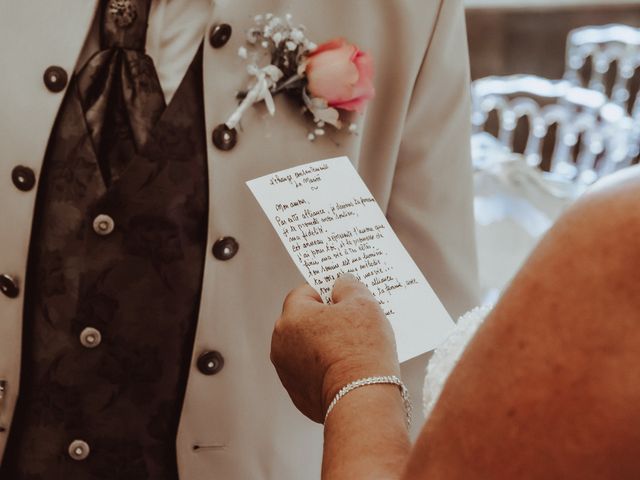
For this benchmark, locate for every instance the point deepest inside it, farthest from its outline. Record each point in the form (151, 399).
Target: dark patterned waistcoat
(114, 283)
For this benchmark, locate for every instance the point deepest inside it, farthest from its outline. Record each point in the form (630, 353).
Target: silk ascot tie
(119, 87)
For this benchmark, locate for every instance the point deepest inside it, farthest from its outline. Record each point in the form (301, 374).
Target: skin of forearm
(366, 436)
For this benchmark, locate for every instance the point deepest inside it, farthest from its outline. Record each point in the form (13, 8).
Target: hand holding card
(330, 224)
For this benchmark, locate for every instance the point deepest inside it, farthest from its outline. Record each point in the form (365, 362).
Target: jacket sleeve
(431, 203)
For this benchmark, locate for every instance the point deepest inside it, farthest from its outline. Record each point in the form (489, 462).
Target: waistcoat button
(55, 78)
(23, 178)
(9, 286)
(103, 225)
(79, 450)
(90, 337)
(219, 35)
(210, 363)
(225, 248)
(224, 138)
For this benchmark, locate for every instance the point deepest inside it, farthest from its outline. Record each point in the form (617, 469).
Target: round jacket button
(55, 79)
(23, 178)
(210, 363)
(224, 138)
(219, 35)
(79, 450)
(9, 286)
(225, 248)
(103, 225)
(90, 337)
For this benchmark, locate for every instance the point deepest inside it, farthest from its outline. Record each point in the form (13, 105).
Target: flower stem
(289, 83)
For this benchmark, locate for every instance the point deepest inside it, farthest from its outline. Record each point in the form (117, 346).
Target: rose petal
(354, 105)
(332, 44)
(364, 87)
(332, 75)
(363, 90)
(364, 62)
(341, 74)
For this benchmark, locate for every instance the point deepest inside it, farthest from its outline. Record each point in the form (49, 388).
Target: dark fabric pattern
(140, 286)
(119, 87)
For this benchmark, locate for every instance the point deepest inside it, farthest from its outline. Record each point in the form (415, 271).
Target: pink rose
(341, 74)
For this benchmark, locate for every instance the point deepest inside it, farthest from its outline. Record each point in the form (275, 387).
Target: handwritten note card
(330, 223)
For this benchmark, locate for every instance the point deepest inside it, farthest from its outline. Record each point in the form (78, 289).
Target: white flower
(272, 33)
(321, 111)
(275, 22)
(297, 35)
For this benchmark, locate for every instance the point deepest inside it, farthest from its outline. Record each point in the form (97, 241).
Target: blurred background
(529, 36)
(555, 108)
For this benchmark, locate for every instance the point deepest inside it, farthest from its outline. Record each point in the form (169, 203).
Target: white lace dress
(446, 356)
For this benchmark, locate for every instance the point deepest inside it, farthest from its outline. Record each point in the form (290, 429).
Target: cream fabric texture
(412, 151)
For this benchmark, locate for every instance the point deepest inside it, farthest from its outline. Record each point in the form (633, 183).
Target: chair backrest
(591, 134)
(614, 51)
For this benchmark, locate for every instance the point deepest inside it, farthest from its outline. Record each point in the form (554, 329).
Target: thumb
(346, 286)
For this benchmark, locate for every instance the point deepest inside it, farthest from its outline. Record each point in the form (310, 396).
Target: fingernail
(348, 276)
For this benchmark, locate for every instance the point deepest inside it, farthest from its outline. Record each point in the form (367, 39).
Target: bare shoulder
(550, 385)
(605, 221)
(614, 194)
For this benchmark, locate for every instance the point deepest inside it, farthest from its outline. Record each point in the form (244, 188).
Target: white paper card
(330, 223)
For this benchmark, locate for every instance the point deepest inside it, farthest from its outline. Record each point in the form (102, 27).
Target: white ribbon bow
(266, 78)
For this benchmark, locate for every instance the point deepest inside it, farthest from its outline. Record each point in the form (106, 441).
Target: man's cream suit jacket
(412, 151)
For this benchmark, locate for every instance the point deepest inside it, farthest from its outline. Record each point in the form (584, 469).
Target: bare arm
(550, 385)
(373, 443)
(548, 388)
(365, 434)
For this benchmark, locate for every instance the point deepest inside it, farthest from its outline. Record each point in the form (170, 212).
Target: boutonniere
(326, 79)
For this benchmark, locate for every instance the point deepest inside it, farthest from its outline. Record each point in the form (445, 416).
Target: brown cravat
(119, 88)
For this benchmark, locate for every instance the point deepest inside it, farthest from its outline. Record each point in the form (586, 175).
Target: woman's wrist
(370, 381)
(340, 375)
(366, 435)
(377, 404)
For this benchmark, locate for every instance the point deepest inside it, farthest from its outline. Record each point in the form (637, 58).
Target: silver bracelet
(363, 382)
